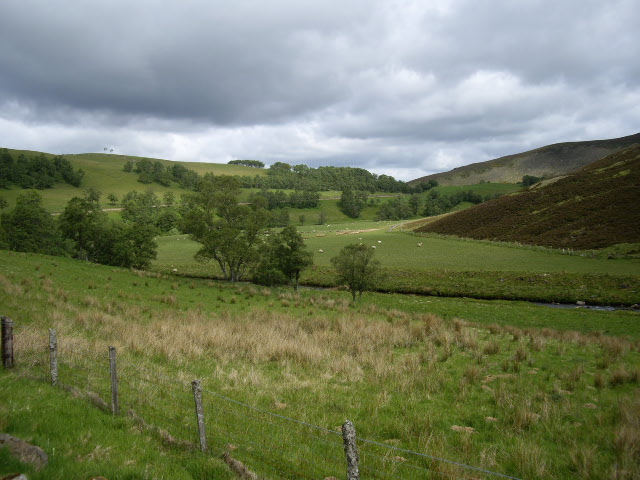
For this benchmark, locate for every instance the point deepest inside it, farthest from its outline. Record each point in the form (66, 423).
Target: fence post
(53, 356)
(197, 396)
(7, 342)
(351, 450)
(115, 408)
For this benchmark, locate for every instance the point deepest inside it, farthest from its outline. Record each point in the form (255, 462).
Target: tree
(352, 203)
(84, 223)
(356, 268)
(284, 256)
(229, 232)
(113, 199)
(30, 228)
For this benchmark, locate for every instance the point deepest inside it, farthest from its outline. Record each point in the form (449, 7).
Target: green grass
(83, 442)
(448, 266)
(104, 172)
(540, 403)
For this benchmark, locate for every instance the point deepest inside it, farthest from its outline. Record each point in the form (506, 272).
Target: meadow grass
(448, 266)
(528, 402)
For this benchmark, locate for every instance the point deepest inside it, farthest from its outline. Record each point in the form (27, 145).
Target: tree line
(37, 171)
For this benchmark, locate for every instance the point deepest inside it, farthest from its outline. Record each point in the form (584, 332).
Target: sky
(402, 88)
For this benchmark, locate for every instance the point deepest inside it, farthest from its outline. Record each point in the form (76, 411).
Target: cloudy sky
(406, 88)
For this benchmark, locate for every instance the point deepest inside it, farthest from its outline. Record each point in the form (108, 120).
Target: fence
(184, 413)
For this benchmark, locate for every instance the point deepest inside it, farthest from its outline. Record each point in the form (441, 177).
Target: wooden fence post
(7, 342)
(115, 408)
(197, 396)
(351, 450)
(53, 356)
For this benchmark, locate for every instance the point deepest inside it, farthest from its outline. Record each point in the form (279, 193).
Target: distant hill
(549, 161)
(104, 172)
(595, 207)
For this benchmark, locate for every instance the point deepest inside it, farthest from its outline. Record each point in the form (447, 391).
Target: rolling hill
(104, 172)
(595, 207)
(549, 161)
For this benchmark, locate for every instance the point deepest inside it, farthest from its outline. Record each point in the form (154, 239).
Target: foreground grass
(528, 402)
(83, 442)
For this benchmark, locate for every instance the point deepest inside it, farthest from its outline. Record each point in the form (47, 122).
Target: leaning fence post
(115, 408)
(53, 356)
(197, 396)
(7, 342)
(350, 450)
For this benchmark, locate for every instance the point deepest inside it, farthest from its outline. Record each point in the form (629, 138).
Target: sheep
(321, 251)
(420, 244)
(373, 246)
(379, 241)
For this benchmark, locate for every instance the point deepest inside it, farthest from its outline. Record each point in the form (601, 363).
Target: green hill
(105, 173)
(548, 162)
(596, 207)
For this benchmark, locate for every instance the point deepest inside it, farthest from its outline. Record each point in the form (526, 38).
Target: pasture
(526, 402)
(448, 266)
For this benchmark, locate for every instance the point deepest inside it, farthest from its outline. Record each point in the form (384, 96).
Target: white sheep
(321, 251)
(420, 244)
(373, 246)
(379, 241)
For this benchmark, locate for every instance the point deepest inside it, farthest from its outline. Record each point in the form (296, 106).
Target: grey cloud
(397, 86)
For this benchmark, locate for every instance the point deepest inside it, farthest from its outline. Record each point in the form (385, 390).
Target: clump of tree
(97, 238)
(37, 171)
(437, 203)
(283, 258)
(154, 171)
(30, 228)
(229, 232)
(529, 180)
(352, 202)
(280, 199)
(282, 175)
(357, 269)
(247, 163)
(400, 208)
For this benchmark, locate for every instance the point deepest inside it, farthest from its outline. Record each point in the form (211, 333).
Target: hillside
(549, 161)
(104, 172)
(593, 208)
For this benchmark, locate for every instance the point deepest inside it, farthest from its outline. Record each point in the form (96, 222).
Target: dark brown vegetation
(549, 161)
(596, 207)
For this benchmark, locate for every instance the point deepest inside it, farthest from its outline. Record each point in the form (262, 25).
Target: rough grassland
(530, 403)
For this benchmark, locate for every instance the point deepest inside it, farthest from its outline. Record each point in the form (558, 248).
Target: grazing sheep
(373, 246)
(379, 241)
(420, 244)
(321, 251)
(175, 270)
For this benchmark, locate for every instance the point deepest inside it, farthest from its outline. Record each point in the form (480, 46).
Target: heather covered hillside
(596, 207)
(549, 161)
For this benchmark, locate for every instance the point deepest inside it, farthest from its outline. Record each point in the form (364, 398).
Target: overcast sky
(404, 88)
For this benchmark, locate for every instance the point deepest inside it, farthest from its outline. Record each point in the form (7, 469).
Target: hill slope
(104, 172)
(596, 207)
(549, 161)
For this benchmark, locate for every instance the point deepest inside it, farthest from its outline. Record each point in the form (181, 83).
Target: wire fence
(249, 439)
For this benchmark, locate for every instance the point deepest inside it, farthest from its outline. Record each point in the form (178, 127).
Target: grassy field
(448, 266)
(526, 402)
